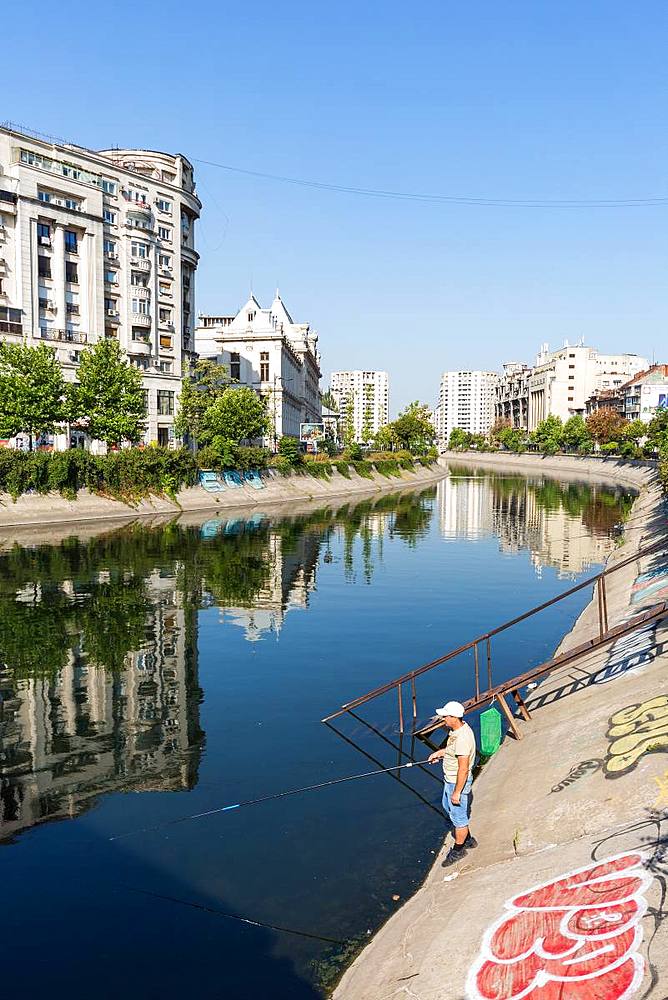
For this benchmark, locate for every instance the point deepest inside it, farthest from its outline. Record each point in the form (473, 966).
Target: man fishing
(458, 756)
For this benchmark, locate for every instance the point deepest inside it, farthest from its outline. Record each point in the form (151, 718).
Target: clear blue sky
(517, 100)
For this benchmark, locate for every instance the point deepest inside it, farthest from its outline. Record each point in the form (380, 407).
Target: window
(165, 315)
(165, 341)
(165, 260)
(110, 305)
(139, 279)
(109, 187)
(571, 366)
(251, 317)
(140, 306)
(109, 217)
(109, 248)
(164, 206)
(140, 334)
(71, 272)
(165, 367)
(139, 362)
(70, 241)
(44, 267)
(264, 366)
(165, 403)
(235, 366)
(74, 206)
(164, 233)
(110, 277)
(43, 233)
(163, 437)
(44, 196)
(138, 249)
(165, 288)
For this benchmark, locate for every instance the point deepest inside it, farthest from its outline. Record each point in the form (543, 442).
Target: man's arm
(462, 775)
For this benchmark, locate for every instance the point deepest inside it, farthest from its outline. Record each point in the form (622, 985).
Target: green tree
(513, 438)
(367, 413)
(109, 395)
(547, 436)
(203, 388)
(657, 432)
(236, 415)
(348, 422)
(575, 435)
(385, 438)
(606, 425)
(459, 440)
(414, 428)
(289, 448)
(329, 401)
(33, 392)
(635, 430)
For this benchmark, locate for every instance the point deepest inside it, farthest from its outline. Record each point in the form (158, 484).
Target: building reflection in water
(569, 526)
(99, 688)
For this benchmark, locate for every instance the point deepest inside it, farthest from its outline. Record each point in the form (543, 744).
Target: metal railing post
(401, 710)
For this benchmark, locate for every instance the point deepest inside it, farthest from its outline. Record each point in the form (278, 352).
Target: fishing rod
(267, 798)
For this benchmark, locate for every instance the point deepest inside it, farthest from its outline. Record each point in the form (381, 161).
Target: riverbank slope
(588, 782)
(52, 509)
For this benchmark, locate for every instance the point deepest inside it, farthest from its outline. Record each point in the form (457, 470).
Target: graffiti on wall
(577, 936)
(634, 731)
(630, 651)
(579, 770)
(653, 584)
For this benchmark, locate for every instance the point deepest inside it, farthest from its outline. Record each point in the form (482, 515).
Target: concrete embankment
(573, 467)
(33, 511)
(586, 789)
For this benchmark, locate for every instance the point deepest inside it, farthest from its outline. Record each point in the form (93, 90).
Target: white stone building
(465, 400)
(267, 351)
(369, 392)
(560, 383)
(100, 244)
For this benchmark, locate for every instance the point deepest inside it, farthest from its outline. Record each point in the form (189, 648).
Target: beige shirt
(461, 743)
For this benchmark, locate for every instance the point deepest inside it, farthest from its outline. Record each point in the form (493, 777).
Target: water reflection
(99, 687)
(98, 643)
(566, 525)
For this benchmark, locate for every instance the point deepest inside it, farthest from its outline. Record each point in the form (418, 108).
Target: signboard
(311, 432)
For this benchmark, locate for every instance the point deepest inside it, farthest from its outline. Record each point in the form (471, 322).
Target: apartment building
(466, 401)
(646, 393)
(100, 244)
(560, 383)
(266, 350)
(369, 393)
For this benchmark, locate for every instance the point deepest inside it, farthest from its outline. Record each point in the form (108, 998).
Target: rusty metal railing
(499, 691)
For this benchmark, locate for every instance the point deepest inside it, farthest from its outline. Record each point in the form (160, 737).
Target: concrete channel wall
(53, 509)
(587, 467)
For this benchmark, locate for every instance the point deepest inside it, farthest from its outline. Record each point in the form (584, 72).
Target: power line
(442, 198)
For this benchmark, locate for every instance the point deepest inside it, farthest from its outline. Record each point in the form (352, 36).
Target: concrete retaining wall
(587, 467)
(53, 509)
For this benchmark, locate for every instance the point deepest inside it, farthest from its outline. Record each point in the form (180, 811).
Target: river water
(159, 671)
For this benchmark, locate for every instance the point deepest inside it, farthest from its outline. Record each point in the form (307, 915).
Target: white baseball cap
(451, 708)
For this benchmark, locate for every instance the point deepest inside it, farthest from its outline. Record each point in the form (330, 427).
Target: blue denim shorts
(458, 815)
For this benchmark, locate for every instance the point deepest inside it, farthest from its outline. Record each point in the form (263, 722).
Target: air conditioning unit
(112, 312)
(44, 241)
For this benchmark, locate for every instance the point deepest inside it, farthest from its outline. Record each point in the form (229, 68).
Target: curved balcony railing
(63, 336)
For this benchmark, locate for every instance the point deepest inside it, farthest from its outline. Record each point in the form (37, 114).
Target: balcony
(141, 291)
(142, 347)
(141, 319)
(141, 263)
(63, 336)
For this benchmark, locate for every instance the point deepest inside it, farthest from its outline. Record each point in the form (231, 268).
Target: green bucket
(490, 732)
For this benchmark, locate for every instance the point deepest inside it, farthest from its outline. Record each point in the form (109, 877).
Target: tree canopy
(606, 425)
(414, 429)
(33, 392)
(109, 396)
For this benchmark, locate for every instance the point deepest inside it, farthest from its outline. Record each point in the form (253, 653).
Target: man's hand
(437, 755)
(455, 800)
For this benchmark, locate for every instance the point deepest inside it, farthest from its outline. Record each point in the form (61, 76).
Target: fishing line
(266, 798)
(232, 916)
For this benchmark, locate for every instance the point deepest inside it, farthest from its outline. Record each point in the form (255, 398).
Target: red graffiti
(583, 930)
